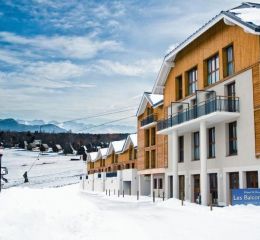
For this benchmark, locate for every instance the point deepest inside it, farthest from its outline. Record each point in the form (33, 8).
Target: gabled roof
(103, 152)
(117, 146)
(92, 156)
(154, 99)
(131, 139)
(247, 16)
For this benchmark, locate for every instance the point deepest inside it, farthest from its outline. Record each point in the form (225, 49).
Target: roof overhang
(168, 62)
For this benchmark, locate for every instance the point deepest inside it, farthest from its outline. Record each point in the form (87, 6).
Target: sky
(61, 60)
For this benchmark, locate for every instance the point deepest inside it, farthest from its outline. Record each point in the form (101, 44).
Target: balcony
(149, 121)
(214, 110)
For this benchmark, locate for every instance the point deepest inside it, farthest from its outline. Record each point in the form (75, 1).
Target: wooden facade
(246, 51)
(157, 149)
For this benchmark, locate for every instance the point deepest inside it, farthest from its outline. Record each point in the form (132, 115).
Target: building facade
(208, 121)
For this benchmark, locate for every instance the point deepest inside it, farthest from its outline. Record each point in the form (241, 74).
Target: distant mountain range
(56, 127)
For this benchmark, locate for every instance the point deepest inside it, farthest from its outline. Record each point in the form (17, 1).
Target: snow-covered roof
(92, 156)
(246, 16)
(131, 139)
(103, 152)
(117, 146)
(154, 99)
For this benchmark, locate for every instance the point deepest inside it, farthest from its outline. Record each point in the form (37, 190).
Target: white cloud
(81, 47)
(138, 68)
(9, 57)
(51, 75)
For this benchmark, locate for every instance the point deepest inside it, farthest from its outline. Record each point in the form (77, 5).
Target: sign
(246, 196)
(4, 171)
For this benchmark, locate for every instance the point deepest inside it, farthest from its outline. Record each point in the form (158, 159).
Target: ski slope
(51, 170)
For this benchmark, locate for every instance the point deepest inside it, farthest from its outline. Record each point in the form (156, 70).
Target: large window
(196, 146)
(179, 88)
(213, 69)
(192, 80)
(231, 92)
(228, 61)
(147, 137)
(147, 159)
(232, 139)
(211, 143)
(181, 149)
(153, 159)
(153, 136)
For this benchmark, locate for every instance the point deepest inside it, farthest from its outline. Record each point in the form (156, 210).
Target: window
(228, 61)
(147, 159)
(231, 92)
(153, 159)
(155, 183)
(135, 153)
(213, 70)
(147, 137)
(113, 157)
(252, 179)
(153, 136)
(196, 146)
(116, 158)
(179, 88)
(181, 149)
(160, 183)
(192, 80)
(130, 153)
(211, 143)
(232, 130)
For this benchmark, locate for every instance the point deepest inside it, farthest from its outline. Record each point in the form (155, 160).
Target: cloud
(140, 67)
(48, 75)
(9, 57)
(79, 47)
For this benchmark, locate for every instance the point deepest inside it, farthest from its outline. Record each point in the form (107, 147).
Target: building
(203, 138)
(152, 148)
(114, 168)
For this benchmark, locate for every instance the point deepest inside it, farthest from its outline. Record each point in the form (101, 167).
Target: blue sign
(246, 196)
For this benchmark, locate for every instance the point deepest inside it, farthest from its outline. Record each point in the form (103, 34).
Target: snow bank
(67, 214)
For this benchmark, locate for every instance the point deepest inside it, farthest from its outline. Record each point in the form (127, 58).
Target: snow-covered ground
(50, 170)
(36, 211)
(65, 213)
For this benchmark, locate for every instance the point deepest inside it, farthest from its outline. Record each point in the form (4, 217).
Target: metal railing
(216, 104)
(150, 119)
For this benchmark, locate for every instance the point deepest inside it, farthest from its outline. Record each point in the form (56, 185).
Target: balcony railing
(217, 104)
(150, 119)
(111, 174)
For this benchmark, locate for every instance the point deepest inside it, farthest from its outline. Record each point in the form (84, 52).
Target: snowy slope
(50, 170)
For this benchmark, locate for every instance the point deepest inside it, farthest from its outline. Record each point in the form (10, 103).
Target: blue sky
(68, 59)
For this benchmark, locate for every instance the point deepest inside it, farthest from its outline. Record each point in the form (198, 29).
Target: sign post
(246, 196)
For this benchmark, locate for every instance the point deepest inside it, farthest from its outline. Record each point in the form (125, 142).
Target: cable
(102, 114)
(106, 123)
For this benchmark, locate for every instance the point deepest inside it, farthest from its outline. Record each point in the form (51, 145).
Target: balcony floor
(193, 125)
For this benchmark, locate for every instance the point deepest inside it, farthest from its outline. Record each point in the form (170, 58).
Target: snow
(67, 213)
(248, 15)
(118, 145)
(51, 170)
(155, 98)
(93, 156)
(134, 139)
(103, 152)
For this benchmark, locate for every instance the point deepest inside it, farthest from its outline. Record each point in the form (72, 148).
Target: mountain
(57, 127)
(13, 125)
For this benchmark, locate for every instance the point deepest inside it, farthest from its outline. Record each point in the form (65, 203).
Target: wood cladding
(215, 40)
(159, 146)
